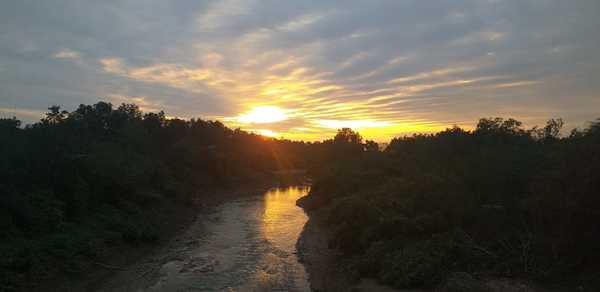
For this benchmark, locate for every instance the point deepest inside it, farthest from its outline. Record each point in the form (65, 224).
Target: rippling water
(250, 247)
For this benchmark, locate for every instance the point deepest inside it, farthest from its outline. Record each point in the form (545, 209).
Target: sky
(302, 69)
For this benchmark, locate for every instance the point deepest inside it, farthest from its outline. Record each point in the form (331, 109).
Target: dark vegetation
(430, 209)
(79, 182)
(498, 201)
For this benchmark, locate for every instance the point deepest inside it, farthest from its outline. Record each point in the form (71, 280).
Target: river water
(249, 245)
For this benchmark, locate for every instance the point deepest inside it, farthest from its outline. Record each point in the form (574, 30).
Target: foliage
(78, 180)
(445, 208)
(500, 200)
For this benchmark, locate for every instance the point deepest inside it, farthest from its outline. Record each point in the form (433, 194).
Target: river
(248, 245)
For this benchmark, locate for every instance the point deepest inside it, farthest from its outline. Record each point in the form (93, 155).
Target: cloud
(392, 67)
(21, 112)
(113, 65)
(67, 54)
(144, 104)
(354, 124)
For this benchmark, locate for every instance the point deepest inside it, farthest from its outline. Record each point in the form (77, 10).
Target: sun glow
(267, 133)
(263, 115)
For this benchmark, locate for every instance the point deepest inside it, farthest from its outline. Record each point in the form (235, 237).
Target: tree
(347, 136)
(371, 146)
(130, 111)
(593, 129)
(499, 126)
(553, 127)
(55, 115)
(9, 124)
(549, 132)
(154, 121)
(9, 127)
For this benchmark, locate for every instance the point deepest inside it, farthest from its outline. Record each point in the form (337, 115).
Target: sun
(263, 115)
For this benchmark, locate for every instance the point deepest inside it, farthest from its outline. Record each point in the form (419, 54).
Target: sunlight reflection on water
(283, 220)
(251, 246)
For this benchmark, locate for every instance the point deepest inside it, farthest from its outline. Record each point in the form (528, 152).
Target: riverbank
(323, 264)
(120, 262)
(320, 261)
(330, 271)
(245, 244)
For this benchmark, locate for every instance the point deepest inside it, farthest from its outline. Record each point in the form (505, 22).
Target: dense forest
(77, 183)
(497, 201)
(460, 206)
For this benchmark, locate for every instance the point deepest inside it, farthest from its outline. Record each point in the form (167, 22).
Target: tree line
(458, 207)
(78, 181)
(500, 200)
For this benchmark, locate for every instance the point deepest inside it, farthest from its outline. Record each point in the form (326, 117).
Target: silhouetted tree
(9, 125)
(549, 132)
(55, 115)
(499, 126)
(371, 146)
(347, 136)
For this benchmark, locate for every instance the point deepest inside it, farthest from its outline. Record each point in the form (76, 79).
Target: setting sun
(263, 115)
